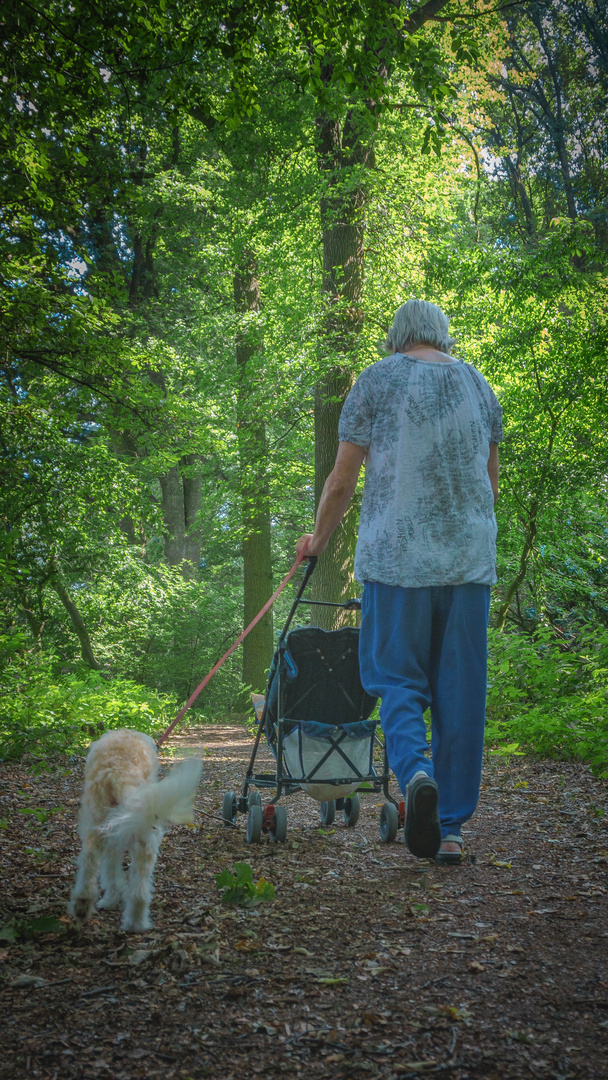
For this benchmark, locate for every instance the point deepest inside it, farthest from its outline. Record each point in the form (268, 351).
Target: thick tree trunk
(86, 649)
(255, 495)
(125, 447)
(340, 150)
(342, 156)
(192, 487)
(173, 515)
(333, 578)
(181, 500)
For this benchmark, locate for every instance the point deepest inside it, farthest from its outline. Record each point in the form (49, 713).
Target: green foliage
(550, 696)
(166, 632)
(41, 814)
(43, 712)
(29, 929)
(147, 149)
(240, 889)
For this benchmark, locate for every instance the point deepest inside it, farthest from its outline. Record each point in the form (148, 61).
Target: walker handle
(312, 562)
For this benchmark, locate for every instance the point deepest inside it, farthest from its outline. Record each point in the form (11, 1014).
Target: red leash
(253, 623)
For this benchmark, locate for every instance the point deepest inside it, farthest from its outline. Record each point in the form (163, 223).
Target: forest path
(369, 963)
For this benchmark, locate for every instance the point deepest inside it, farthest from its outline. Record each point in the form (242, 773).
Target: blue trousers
(427, 648)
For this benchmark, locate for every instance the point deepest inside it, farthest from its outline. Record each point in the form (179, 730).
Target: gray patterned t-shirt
(427, 516)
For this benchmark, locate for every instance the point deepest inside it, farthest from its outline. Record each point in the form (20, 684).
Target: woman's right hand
(302, 543)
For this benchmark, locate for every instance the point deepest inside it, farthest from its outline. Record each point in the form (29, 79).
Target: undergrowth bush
(152, 626)
(44, 711)
(550, 696)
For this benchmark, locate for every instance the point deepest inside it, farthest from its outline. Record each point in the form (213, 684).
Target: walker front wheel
(253, 799)
(389, 822)
(328, 812)
(254, 824)
(352, 809)
(229, 808)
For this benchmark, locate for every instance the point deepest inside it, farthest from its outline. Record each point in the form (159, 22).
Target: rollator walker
(318, 723)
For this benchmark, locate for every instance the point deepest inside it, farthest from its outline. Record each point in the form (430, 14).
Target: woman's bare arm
(337, 493)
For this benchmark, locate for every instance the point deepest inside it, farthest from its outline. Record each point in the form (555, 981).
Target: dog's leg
(138, 897)
(112, 875)
(84, 893)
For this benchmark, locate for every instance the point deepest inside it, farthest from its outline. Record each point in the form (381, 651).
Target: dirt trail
(369, 963)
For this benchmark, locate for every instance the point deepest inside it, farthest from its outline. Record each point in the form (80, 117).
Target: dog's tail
(156, 805)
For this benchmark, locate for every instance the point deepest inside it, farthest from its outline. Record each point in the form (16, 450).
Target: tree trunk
(181, 500)
(192, 488)
(35, 624)
(342, 156)
(520, 192)
(80, 629)
(125, 447)
(173, 515)
(531, 524)
(333, 577)
(519, 578)
(255, 495)
(339, 151)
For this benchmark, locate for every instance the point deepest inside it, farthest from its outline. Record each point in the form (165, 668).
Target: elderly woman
(428, 427)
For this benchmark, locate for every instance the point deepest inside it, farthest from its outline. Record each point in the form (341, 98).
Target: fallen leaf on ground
(414, 1066)
(246, 945)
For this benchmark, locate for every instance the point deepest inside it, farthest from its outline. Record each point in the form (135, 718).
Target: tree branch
(423, 14)
(482, 14)
(34, 358)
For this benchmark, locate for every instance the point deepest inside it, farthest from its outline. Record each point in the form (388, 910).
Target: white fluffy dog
(126, 808)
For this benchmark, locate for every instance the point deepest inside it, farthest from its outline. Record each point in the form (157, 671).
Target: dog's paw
(136, 926)
(110, 899)
(82, 907)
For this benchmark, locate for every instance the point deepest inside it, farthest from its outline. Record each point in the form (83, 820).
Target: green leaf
(240, 889)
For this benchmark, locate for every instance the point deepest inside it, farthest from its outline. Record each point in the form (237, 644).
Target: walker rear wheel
(253, 799)
(389, 822)
(352, 807)
(254, 824)
(328, 811)
(278, 834)
(229, 808)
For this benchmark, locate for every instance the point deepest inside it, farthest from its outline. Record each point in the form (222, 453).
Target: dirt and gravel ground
(369, 963)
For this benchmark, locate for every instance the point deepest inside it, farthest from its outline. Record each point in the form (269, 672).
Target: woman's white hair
(419, 321)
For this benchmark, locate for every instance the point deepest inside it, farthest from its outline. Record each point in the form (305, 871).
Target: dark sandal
(422, 829)
(450, 858)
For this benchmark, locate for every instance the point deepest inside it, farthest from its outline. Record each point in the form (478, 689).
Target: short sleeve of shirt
(496, 433)
(356, 418)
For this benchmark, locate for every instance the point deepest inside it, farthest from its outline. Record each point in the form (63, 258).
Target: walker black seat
(320, 680)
